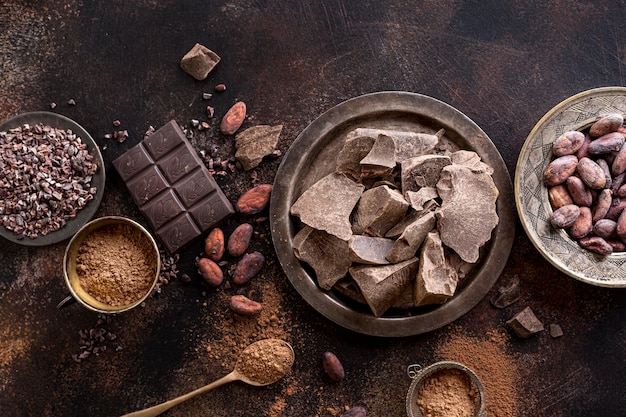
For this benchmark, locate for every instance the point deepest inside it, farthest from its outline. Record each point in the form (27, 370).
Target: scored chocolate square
(172, 187)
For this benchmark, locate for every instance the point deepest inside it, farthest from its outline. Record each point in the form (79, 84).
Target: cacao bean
(605, 228)
(621, 191)
(240, 239)
(611, 142)
(568, 143)
(233, 119)
(583, 225)
(355, 412)
(210, 271)
(596, 244)
(607, 172)
(245, 306)
(617, 207)
(591, 173)
(247, 267)
(565, 216)
(332, 366)
(584, 149)
(617, 245)
(559, 196)
(620, 228)
(560, 169)
(618, 182)
(607, 124)
(256, 199)
(214, 244)
(603, 204)
(581, 195)
(619, 163)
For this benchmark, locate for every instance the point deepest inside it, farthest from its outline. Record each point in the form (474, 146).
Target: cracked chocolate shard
(412, 216)
(172, 187)
(379, 209)
(420, 198)
(467, 214)
(507, 294)
(353, 151)
(328, 203)
(436, 281)
(525, 323)
(382, 284)
(409, 242)
(369, 250)
(328, 255)
(199, 61)
(255, 143)
(380, 161)
(407, 144)
(422, 171)
(471, 160)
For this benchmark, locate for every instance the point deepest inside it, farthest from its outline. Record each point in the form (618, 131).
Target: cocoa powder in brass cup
(72, 264)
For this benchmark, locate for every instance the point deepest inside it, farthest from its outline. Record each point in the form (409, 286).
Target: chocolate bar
(172, 187)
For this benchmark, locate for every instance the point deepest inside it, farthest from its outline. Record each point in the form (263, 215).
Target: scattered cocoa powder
(266, 361)
(116, 264)
(447, 393)
(490, 362)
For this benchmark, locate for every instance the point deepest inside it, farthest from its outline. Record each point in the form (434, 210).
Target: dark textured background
(502, 63)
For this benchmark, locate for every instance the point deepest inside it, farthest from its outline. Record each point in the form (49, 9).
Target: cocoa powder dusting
(494, 367)
(265, 361)
(116, 264)
(447, 393)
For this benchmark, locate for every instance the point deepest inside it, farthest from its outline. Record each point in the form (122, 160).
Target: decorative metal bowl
(531, 194)
(98, 180)
(71, 275)
(312, 156)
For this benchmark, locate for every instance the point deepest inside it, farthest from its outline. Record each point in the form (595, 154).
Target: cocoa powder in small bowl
(111, 265)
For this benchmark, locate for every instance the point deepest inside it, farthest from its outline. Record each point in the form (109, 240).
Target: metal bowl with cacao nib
(317, 168)
(568, 186)
(52, 178)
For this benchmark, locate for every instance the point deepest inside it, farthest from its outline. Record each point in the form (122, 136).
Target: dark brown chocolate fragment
(172, 187)
(525, 323)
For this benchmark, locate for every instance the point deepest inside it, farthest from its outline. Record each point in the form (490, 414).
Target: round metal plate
(531, 195)
(312, 156)
(98, 180)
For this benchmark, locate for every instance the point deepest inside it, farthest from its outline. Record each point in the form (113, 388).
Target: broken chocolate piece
(199, 61)
(409, 242)
(507, 294)
(468, 210)
(422, 171)
(525, 323)
(326, 254)
(471, 160)
(369, 250)
(255, 143)
(555, 330)
(436, 281)
(172, 187)
(379, 209)
(354, 150)
(410, 218)
(327, 205)
(380, 160)
(407, 144)
(381, 285)
(418, 199)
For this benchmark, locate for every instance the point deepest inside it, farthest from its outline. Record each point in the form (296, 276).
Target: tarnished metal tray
(98, 180)
(312, 156)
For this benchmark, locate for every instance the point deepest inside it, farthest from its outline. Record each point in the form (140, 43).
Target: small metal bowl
(421, 375)
(71, 275)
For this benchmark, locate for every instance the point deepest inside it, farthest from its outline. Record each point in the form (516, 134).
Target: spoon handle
(160, 408)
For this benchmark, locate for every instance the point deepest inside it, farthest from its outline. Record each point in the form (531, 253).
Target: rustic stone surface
(379, 209)
(422, 171)
(418, 199)
(468, 210)
(409, 242)
(255, 143)
(326, 254)
(381, 285)
(327, 205)
(525, 323)
(436, 281)
(353, 151)
(369, 250)
(380, 160)
(199, 61)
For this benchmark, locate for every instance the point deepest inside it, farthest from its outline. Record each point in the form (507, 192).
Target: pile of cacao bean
(586, 183)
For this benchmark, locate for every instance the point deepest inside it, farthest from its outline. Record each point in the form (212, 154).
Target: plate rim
(282, 229)
(563, 105)
(86, 213)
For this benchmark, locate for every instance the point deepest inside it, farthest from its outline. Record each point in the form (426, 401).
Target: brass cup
(421, 375)
(71, 276)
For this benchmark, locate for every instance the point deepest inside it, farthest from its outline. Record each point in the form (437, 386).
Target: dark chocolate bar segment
(172, 187)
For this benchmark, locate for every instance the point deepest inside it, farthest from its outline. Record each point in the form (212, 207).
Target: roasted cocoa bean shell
(583, 225)
(581, 195)
(565, 216)
(591, 173)
(560, 169)
(607, 124)
(603, 204)
(559, 196)
(568, 143)
(596, 244)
